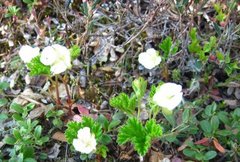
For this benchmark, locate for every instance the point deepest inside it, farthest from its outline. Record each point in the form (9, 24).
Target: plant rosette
(56, 56)
(85, 141)
(168, 96)
(27, 53)
(149, 59)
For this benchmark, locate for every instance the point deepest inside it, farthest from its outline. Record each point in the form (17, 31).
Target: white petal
(149, 59)
(27, 53)
(84, 132)
(168, 95)
(58, 68)
(48, 56)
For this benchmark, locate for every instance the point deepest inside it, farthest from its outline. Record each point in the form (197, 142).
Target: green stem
(57, 90)
(139, 108)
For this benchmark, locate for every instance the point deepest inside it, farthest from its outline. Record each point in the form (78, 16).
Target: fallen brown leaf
(59, 136)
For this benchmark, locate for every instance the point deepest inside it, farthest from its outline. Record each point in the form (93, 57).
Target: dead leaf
(184, 145)
(59, 136)
(205, 141)
(37, 112)
(156, 156)
(218, 146)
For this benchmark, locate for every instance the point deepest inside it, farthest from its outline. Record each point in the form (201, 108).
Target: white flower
(48, 56)
(86, 142)
(168, 95)
(58, 57)
(149, 59)
(27, 53)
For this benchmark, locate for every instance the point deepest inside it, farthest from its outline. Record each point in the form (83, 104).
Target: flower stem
(69, 100)
(57, 90)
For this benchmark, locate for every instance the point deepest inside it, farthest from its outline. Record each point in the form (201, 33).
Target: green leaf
(17, 117)
(28, 152)
(139, 86)
(153, 129)
(206, 126)
(57, 123)
(113, 124)
(17, 134)
(105, 139)
(9, 140)
(186, 115)
(214, 123)
(36, 67)
(3, 117)
(72, 129)
(166, 46)
(103, 121)
(38, 131)
(4, 85)
(210, 45)
(194, 46)
(102, 150)
(30, 160)
(210, 155)
(224, 132)
(44, 139)
(189, 152)
(124, 103)
(74, 52)
(3, 102)
(16, 107)
(134, 132)
(95, 127)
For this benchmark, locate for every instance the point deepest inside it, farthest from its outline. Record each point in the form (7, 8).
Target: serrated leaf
(72, 129)
(153, 129)
(102, 150)
(166, 46)
(124, 103)
(95, 127)
(36, 67)
(141, 137)
(75, 52)
(139, 86)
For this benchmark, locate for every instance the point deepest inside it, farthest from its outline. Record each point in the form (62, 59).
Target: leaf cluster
(140, 136)
(197, 48)
(124, 103)
(36, 67)
(26, 135)
(168, 47)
